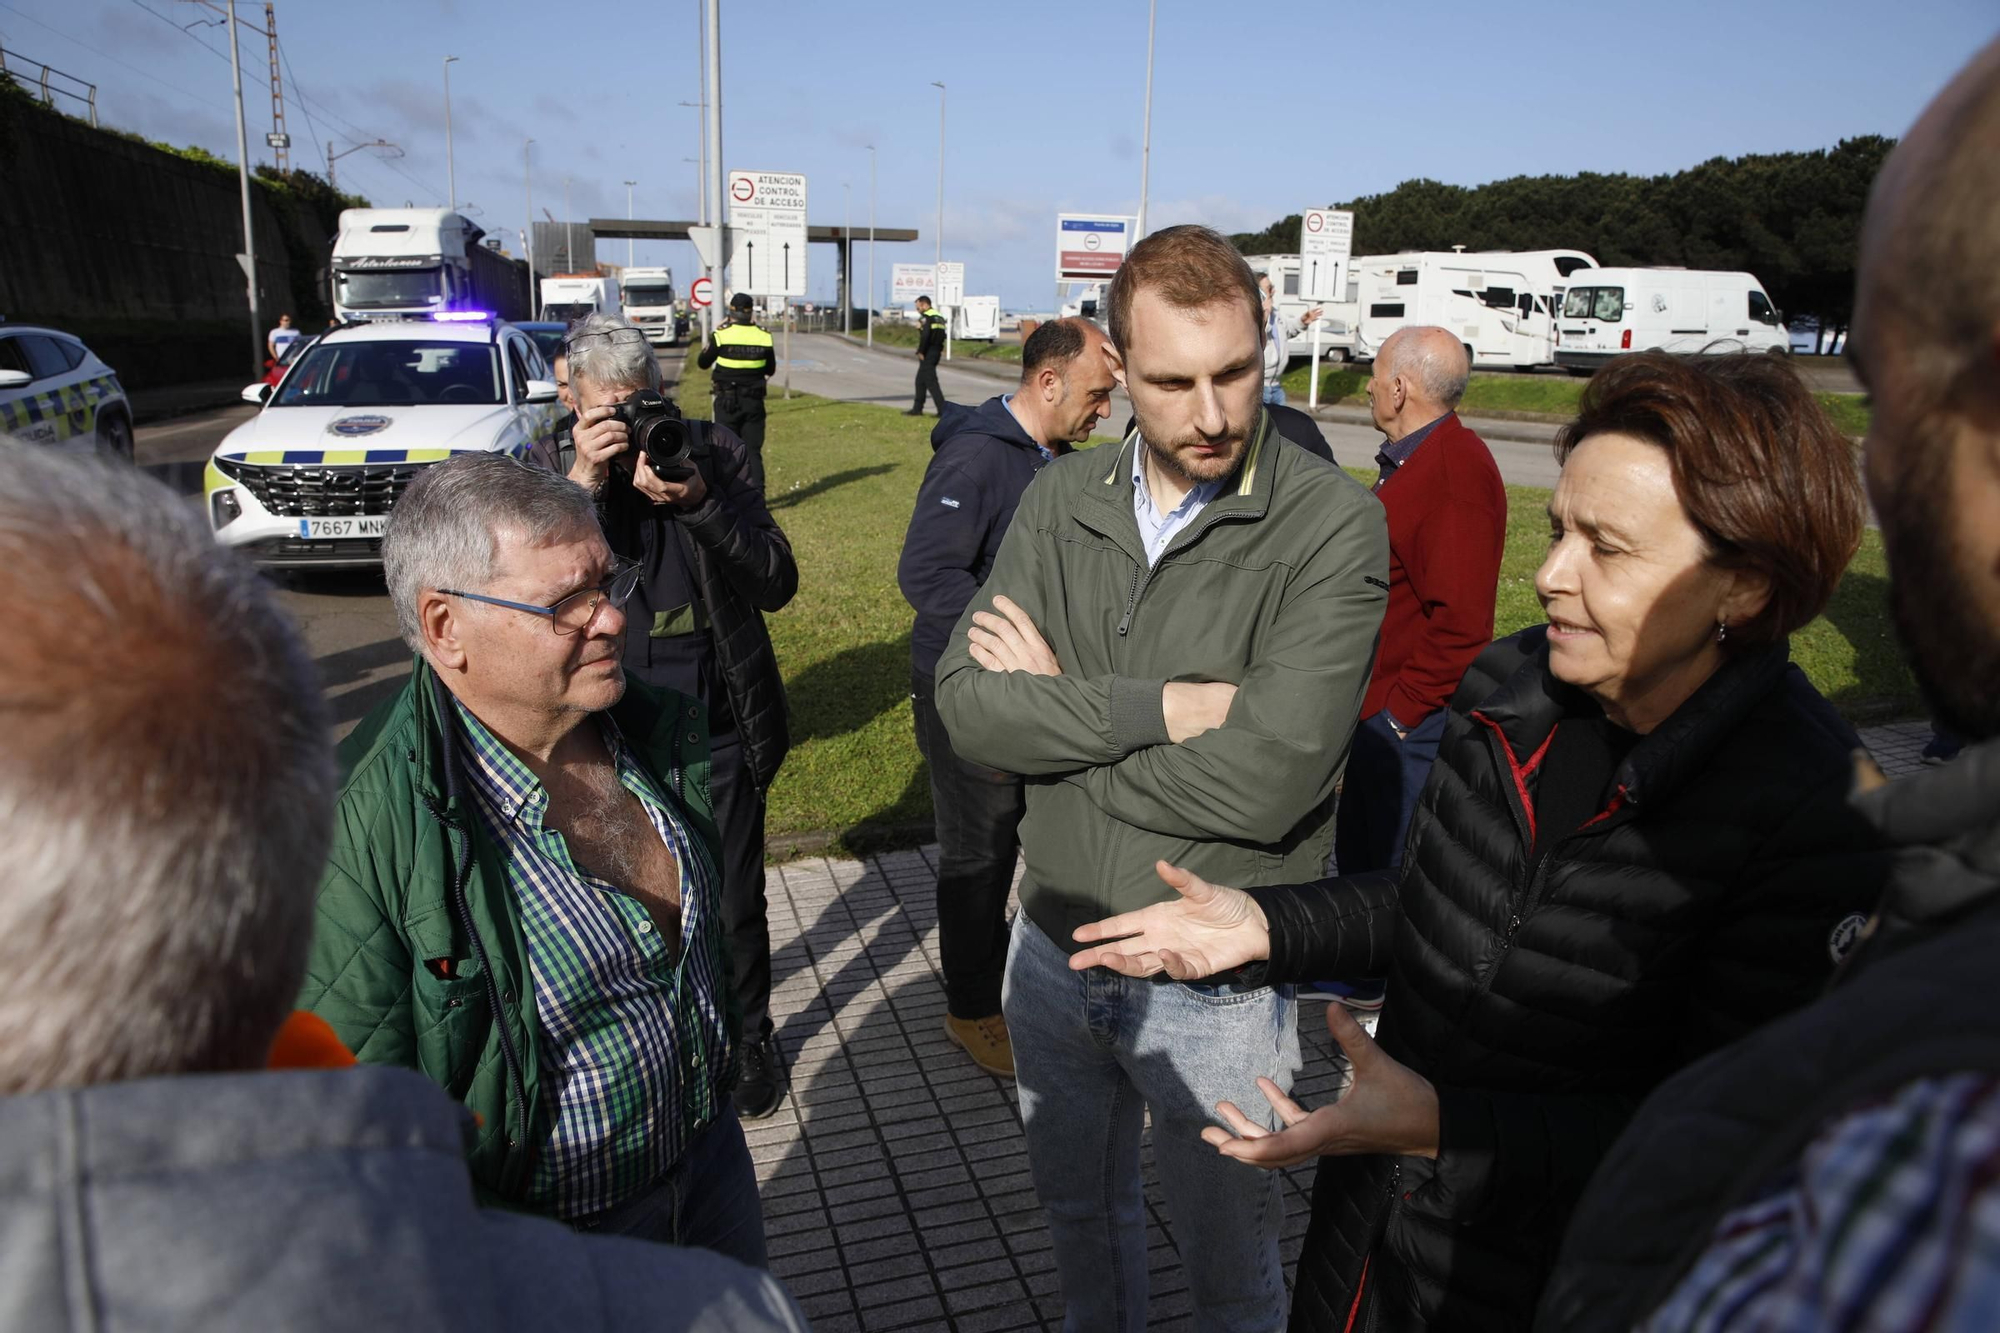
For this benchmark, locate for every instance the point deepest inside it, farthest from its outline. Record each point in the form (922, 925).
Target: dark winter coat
(1914, 1001)
(1545, 1000)
(982, 462)
(743, 565)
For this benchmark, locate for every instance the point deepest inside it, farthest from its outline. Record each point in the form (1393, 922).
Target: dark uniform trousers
(741, 409)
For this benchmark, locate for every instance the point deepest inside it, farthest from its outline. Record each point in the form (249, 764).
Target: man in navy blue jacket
(985, 458)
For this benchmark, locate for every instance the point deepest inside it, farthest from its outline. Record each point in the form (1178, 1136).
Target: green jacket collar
(1105, 502)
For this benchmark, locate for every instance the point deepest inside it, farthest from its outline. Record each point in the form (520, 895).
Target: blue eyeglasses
(575, 612)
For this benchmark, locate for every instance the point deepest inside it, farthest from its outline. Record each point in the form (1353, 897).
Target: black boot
(760, 1090)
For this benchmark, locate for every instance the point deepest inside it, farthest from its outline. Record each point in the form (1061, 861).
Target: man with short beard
(1172, 646)
(1835, 1170)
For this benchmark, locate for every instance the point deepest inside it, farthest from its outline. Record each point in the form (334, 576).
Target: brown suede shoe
(985, 1040)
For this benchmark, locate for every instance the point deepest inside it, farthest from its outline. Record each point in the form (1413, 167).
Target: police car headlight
(223, 509)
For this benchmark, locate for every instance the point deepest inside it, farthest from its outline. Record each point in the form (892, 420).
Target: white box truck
(1610, 311)
(413, 263)
(1336, 319)
(649, 299)
(567, 297)
(1501, 304)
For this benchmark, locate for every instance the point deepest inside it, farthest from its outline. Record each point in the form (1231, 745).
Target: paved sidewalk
(895, 1182)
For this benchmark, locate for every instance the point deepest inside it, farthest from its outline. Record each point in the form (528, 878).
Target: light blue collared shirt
(1157, 529)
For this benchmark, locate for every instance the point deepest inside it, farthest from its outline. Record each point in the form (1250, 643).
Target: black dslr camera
(658, 431)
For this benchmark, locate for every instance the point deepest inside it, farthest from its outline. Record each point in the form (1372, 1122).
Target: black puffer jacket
(743, 562)
(1544, 1001)
(1914, 1001)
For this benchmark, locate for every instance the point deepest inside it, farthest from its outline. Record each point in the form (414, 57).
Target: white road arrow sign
(767, 221)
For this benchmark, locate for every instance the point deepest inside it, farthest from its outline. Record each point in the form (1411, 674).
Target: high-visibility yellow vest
(744, 348)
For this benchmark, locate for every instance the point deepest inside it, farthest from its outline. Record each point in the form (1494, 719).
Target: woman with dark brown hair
(1634, 847)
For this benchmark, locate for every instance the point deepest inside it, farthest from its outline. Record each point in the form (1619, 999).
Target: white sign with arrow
(1326, 243)
(767, 219)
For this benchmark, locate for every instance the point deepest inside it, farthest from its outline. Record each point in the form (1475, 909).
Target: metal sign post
(1326, 242)
(788, 351)
(950, 296)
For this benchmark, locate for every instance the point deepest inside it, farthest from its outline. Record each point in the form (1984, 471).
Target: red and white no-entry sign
(701, 292)
(743, 189)
(1315, 220)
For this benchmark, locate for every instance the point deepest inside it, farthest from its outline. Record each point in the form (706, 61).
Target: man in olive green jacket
(522, 898)
(1172, 646)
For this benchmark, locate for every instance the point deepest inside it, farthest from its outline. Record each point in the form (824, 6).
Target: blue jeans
(1093, 1051)
(1274, 395)
(707, 1200)
(1379, 791)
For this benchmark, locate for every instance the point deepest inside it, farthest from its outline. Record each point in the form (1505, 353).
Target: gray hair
(445, 530)
(1431, 356)
(166, 786)
(608, 364)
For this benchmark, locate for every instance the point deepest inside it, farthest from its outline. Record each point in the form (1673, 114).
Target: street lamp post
(528, 237)
(700, 159)
(847, 261)
(450, 171)
(713, 96)
(333, 157)
(569, 232)
(871, 245)
(249, 256)
(937, 272)
(1146, 142)
(628, 218)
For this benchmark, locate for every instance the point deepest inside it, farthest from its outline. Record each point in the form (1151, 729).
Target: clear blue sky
(1259, 109)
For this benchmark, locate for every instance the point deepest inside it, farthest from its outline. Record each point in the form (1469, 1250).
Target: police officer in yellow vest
(930, 346)
(743, 360)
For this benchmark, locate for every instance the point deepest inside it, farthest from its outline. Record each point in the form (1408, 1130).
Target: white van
(1501, 304)
(1336, 320)
(1609, 311)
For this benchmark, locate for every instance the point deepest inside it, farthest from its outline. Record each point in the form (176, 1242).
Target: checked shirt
(632, 1037)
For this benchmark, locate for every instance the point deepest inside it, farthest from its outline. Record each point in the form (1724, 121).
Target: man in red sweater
(1447, 524)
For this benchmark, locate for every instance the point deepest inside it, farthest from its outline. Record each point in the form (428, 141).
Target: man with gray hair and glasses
(523, 898)
(711, 562)
(178, 1153)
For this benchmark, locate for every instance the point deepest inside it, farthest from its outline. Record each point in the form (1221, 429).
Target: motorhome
(1610, 311)
(1336, 320)
(648, 294)
(977, 318)
(1501, 304)
(567, 297)
(413, 263)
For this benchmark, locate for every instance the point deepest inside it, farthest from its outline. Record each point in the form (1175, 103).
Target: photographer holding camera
(677, 496)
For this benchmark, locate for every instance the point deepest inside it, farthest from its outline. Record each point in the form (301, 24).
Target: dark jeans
(927, 380)
(708, 1199)
(739, 819)
(1379, 793)
(744, 414)
(978, 811)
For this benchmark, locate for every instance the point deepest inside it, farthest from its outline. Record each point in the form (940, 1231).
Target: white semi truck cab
(649, 303)
(399, 263)
(568, 297)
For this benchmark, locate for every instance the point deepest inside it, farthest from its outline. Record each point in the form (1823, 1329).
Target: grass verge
(905, 335)
(841, 480)
(1550, 396)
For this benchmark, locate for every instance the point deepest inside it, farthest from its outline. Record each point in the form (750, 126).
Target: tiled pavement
(895, 1183)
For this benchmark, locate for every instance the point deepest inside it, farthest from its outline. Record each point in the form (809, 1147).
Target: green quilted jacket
(417, 943)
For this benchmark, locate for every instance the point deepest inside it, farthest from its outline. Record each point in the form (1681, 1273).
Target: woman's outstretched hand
(1208, 929)
(1390, 1109)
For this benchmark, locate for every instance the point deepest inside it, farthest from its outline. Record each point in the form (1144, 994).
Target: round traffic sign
(742, 189)
(1314, 221)
(701, 291)
(1092, 241)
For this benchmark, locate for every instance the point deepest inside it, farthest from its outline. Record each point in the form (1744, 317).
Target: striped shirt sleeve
(1890, 1220)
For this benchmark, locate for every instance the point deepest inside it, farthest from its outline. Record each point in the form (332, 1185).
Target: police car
(310, 480)
(54, 391)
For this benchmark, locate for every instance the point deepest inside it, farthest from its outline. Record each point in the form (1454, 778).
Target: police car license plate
(322, 529)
